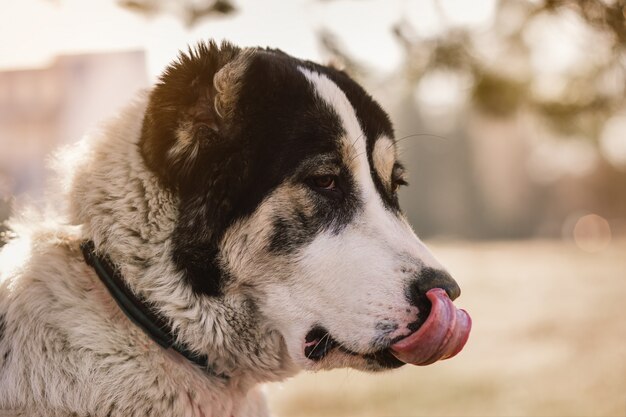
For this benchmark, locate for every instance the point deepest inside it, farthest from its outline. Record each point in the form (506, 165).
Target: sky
(42, 29)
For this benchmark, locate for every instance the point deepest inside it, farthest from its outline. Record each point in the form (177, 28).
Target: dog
(235, 224)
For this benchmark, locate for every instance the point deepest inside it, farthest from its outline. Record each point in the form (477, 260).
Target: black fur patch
(278, 124)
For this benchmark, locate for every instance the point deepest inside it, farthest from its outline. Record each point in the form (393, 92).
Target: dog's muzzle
(441, 335)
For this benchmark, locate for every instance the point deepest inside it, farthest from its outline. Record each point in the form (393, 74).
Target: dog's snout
(429, 278)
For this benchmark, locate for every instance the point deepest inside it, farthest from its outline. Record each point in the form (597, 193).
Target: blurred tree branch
(600, 14)
(338, 57)
(191, 12)
(581, 108)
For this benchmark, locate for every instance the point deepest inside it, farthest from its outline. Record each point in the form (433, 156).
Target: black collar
(137, 310)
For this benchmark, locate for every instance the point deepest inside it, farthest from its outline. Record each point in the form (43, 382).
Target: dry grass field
(549, 339)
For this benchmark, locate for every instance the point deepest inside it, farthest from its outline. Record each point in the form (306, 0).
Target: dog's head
(286, 174)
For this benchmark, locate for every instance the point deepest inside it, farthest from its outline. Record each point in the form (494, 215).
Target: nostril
(429, 278)
(451, 287)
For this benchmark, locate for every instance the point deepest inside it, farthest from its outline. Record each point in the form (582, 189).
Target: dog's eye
(327, 185)
(397, 183)
(325, 182)
(398, 178)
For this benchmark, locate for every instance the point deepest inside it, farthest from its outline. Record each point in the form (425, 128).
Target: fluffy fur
(205, 193)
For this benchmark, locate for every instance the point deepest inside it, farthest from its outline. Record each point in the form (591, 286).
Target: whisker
(396, 141)
(416, 135)
(354, 147)
(355, 141)
(356, 156)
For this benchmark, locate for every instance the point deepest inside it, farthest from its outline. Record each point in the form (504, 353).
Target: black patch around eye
(296, 229)
(335, 213)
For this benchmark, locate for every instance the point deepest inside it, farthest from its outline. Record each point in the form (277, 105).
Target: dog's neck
(130, 217)
(139, 311)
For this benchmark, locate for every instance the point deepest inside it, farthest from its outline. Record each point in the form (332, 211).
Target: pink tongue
(442, 335)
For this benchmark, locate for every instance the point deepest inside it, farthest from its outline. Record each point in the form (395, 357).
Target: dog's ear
(192, 108)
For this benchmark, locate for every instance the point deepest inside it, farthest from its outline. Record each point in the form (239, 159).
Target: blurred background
(510, 116)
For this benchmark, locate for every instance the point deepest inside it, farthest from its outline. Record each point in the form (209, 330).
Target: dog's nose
(429, 278)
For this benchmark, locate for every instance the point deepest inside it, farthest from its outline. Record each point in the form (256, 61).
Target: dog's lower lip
(319, 343)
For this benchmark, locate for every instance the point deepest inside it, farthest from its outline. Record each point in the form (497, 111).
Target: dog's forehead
(320, 103)
(351, 143)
